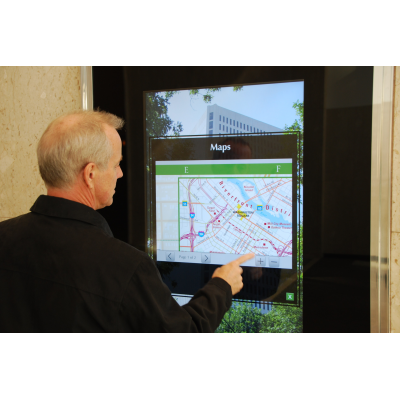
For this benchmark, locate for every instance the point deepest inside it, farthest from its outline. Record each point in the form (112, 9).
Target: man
(61, 269)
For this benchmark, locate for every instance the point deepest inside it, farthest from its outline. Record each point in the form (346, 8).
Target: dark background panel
(108, 95)
(337, 165)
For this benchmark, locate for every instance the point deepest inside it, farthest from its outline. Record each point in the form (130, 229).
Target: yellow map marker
(244, 215)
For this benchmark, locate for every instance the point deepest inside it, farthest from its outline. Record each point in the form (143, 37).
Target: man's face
(107, 179)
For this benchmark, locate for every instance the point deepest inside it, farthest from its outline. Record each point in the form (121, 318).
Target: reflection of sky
(270, 103)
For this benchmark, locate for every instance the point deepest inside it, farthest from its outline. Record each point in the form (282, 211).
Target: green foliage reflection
(241, 318)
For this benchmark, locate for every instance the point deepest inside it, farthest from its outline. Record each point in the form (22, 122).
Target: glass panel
(215, 200)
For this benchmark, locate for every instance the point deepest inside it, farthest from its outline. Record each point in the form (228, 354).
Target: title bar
(225, 169)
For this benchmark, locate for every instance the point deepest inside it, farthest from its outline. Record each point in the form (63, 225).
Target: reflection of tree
(208, 93)
(300, 246)
(241, 318)
(297, 126)
(158, 123)
(282, 319)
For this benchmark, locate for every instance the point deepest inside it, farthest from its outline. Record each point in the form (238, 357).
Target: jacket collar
(63, 208)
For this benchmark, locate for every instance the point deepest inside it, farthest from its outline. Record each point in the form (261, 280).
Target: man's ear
(89, 175)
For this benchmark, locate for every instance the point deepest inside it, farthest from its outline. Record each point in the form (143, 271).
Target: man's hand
(232, 273)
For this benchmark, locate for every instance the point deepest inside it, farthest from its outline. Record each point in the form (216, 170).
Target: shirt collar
(63, 208)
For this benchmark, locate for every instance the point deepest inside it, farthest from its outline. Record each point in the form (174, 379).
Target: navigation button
(169, 256)
(260, 261)
(206, 258)
(274, 262)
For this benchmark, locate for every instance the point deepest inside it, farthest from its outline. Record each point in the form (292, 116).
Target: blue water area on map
(264, 213)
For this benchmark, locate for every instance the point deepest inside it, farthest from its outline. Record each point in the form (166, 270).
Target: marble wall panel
(395, 283)
(395, 239)
(30, 98)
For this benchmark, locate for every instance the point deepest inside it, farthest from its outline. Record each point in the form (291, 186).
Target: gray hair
(72, 141)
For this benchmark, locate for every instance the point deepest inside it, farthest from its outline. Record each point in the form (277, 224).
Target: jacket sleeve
(147, 305)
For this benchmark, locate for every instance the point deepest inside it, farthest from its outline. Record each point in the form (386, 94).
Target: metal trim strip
(381, 174)
(86, 88)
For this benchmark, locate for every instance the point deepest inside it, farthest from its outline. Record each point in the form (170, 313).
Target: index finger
(244, 258)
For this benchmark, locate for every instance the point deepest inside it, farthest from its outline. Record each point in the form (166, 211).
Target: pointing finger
(244, 258)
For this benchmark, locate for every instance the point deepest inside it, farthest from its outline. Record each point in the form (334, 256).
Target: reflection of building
(221, 121)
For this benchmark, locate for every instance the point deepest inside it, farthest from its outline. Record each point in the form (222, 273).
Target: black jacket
(61, 270)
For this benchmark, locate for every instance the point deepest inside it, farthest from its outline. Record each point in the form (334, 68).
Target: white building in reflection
(219, 121)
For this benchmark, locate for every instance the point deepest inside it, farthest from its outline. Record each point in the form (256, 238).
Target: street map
(236, 215)
(205, 207)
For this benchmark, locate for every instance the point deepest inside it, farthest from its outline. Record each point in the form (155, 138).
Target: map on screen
(217, 210)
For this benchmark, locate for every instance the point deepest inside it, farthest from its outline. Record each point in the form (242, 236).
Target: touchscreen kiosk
(231, 186)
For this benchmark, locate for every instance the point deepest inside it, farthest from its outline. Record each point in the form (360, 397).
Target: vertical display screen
(224, 178)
